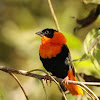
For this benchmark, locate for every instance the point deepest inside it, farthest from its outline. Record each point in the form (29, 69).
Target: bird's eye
(47, 32)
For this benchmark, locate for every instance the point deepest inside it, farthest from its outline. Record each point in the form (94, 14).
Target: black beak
(39, 33)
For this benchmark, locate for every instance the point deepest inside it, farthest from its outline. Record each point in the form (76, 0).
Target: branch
(53, 79)
(53, 15)
(89, 78)
(26, 73)
(56, 80)
(84, 86)
(19, 84)
(94, 13)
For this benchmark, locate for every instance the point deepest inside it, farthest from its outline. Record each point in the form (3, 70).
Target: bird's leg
(46, 77)
(65, 80)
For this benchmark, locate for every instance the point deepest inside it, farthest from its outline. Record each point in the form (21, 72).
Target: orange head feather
(50, 47)
(52, 42)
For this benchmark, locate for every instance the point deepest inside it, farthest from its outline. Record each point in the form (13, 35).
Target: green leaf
(91, 40)
(92, 47)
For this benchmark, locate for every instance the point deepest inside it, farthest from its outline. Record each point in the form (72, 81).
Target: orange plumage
(54, 55)
(73, 89)
(51, 47)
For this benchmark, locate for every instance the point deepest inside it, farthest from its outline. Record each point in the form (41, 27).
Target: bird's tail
(73, 89)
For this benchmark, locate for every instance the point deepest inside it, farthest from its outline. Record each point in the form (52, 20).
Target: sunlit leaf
(92, 47)
(90, 40)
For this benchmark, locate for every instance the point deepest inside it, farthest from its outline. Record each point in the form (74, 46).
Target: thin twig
(53, 80)
(83, 85)
(87, 93)
(53, 15)
(26, 73)
(44, 89)
(56, 80)
(19, 84)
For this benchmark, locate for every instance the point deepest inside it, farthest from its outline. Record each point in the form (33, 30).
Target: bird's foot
(65, 80)
(46, 78)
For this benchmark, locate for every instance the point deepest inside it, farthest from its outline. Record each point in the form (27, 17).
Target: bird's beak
(39, 33)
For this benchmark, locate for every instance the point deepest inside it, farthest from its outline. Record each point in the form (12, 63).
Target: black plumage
(58, 65)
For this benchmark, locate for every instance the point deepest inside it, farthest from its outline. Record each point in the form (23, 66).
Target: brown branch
(19, 84)
(89, 78)
(88, 89)
(53, 15)
(90, 18)
(28, 73)
(53, 79)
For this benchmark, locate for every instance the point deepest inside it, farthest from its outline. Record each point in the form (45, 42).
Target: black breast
(56, 65)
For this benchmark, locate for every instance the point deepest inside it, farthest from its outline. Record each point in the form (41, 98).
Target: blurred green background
(19, 46)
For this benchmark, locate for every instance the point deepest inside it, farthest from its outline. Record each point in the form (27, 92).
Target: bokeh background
(19, 45)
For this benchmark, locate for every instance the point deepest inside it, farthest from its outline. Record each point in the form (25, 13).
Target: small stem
(53, 80)
(83, 85)
(19, 84)
(44, 89)
(53, 15)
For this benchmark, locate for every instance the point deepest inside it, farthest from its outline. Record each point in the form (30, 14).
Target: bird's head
(49, 33)
(51, 36)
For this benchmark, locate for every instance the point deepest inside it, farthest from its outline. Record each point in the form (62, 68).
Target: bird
(56, 58)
